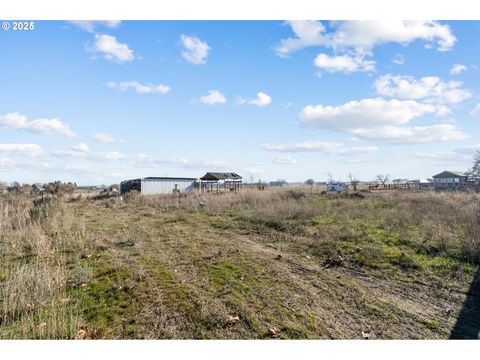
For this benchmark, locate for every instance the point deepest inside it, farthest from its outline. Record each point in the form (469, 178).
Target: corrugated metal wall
(165, 186)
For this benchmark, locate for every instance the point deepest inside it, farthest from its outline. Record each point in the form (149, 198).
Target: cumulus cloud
(362, 36)
(195, 51)
(262, 99)
(457, 69)
(103, 138)
(139, 88)
(214, 97)
(380, 120)
(343, 63)
(91, 25)
(283, 160)
(475, 111)
(365, 113)
(18, 121)
(329, 148)
(112, 49)
(429, 88)
(30, 150)
(82, 147)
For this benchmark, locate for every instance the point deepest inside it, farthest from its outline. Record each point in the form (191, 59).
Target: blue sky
(99, 102)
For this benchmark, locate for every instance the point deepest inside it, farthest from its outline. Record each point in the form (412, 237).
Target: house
(215, 181)
(159, 185)
(450, 180)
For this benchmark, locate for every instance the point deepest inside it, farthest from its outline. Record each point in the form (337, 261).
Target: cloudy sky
(99, 102)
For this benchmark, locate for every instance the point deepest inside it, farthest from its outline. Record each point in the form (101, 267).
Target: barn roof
(221, 176)
(450, 173)
(167, 178)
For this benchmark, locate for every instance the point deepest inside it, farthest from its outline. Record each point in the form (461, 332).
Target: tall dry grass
(37, 239)
(440, 219)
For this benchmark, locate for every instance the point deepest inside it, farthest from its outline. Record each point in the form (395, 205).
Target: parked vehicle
(337, 187)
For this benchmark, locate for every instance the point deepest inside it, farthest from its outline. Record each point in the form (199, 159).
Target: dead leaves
(231, 320)
(274, 332)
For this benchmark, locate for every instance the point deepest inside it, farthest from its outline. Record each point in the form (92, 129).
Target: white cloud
(139, 88)
(195, 51)
(262, 99)
(329, 148)
(468, 149)
(143, 160)
(283, 160)
(399, 59)
(91, 25)
(103, 138)
(475, 111)
(30, 150)
(18, 121)
(363, 36)
(111, 49)
(213, 97)
(82, 147)
(411, 135)
(380, 120)
(457, 69)
(344, 63)
(429, 88)
(96, 156)
(442, 157)
(365, 113)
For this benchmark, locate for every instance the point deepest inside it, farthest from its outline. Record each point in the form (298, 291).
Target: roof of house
(450, 173)
(221, 176)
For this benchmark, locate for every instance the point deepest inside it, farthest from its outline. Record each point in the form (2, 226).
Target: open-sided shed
(215, 181)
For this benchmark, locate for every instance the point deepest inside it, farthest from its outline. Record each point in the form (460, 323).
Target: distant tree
(475, 170)
(330, 178)
(383, 178)
(310, 182)
(353, 181)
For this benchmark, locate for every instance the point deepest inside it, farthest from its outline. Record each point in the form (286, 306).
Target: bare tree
(310, 182)
(474, 172)
(353, 181)
(382, 179)
(330, 178)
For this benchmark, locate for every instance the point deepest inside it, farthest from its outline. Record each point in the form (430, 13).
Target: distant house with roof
(450, 180)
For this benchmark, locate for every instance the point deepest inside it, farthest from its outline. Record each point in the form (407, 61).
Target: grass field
(288, 264)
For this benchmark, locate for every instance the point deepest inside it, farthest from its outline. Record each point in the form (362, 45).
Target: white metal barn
(158, 185)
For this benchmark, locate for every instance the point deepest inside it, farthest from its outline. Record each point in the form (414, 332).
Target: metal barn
(159, 185)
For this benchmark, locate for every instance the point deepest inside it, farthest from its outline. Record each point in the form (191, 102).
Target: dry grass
(39, 238)
(306, 264)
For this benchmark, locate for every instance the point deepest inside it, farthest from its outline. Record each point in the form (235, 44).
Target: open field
(289, 264)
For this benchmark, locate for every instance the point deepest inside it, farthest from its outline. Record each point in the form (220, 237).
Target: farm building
(215, 181)
(159, 185)
(450, 180)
